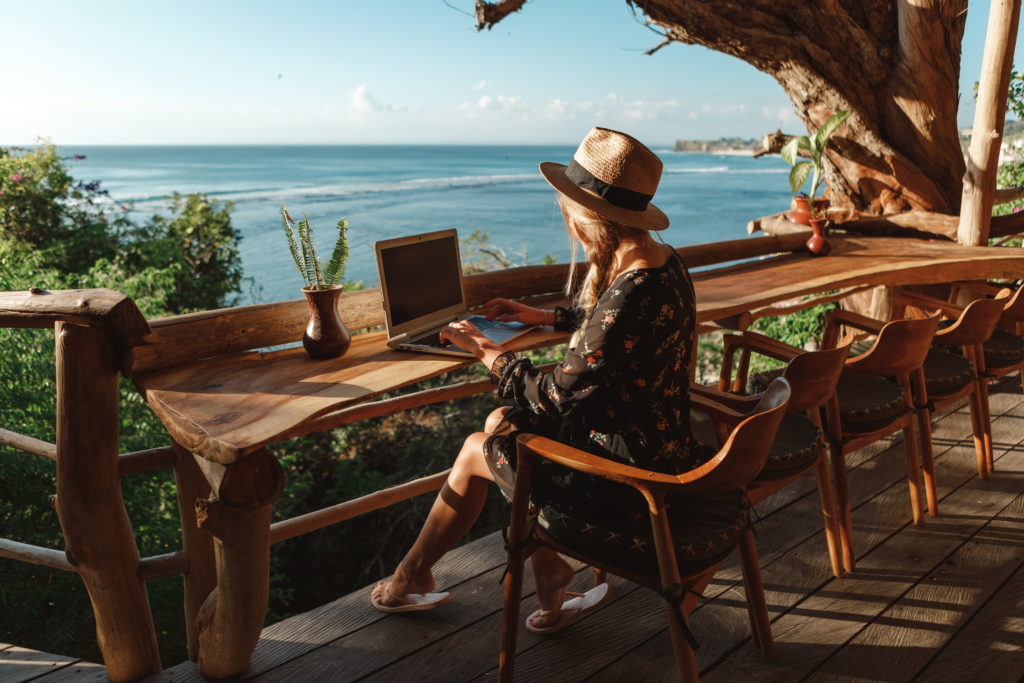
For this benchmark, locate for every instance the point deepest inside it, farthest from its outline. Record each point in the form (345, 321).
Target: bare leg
(551, 575)
(455, 509)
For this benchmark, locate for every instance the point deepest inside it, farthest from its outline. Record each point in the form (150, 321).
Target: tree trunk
(895, 64)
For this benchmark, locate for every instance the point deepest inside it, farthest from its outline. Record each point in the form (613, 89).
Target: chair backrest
(975, 324)
(902, 346)
(813, 376)
(743, 454)
(1013, 309)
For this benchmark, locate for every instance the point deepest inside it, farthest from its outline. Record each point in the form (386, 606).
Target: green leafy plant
(813, 148)
(314, 273)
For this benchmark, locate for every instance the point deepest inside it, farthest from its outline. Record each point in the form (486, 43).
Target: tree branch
(490, 13)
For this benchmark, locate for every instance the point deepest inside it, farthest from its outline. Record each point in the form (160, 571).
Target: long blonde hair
(600, 238)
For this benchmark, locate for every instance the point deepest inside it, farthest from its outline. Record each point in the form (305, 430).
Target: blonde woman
(621, 392)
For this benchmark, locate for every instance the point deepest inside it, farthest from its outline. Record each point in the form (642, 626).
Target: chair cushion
(946, 372)
(704, 528)
(868, 402)
(796, 446)
(1003, 349)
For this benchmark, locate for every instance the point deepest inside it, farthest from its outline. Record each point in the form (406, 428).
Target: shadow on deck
(943, 601)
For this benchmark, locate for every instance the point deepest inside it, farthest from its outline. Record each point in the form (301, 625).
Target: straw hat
(614, 175)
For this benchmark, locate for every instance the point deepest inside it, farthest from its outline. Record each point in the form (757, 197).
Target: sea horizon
(389, 190)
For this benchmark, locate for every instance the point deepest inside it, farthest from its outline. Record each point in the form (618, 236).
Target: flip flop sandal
(572, 609)
(411, 602)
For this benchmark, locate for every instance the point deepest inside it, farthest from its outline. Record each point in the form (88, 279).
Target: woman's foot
(551, 576)
(407, 592)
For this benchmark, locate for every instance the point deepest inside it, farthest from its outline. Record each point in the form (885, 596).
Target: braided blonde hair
(600, 238)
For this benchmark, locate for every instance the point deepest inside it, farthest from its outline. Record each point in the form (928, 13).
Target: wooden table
(225, 411)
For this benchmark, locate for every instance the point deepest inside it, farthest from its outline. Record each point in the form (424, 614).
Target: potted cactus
(326, 335)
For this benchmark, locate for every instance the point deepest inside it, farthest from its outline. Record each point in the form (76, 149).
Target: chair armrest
(948, 310)
(982, 288)
(766, 346)
(838, 317)
(703, 397)
(582, 461)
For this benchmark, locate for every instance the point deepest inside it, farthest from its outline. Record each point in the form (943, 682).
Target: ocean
(387, 191)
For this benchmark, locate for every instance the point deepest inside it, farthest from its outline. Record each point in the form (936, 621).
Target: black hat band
(614, 195)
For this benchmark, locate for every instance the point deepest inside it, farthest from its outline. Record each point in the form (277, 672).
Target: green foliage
(58, 234)
(814, 148)
(303, 252)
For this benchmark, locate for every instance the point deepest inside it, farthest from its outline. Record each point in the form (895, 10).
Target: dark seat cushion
(946, 372)
(1003, 349)
(704, 528)
(796, 446)
(868, 402)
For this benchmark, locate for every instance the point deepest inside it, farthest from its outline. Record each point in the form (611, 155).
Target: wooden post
(237, 516)
(201, 576)
(96, 528)
(983, 154)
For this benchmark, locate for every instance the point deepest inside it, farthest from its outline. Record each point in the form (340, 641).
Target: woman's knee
(470, 460)
(495, 418)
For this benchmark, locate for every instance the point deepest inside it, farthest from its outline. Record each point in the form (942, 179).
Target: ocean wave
(336, 190)
(709, 169)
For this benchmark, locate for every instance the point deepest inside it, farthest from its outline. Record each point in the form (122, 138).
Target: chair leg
(757, 608)
(600, 576)
(510, 615)
(843, 506)
(924, 427)
(986, 415)
(977, 431)
(911, 445)
(828, 515)
(668, 571)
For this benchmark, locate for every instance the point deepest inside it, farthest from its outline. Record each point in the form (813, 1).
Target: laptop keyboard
(434, 338)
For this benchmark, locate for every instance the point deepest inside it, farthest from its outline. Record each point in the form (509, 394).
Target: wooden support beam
(201, 575)
(303, 524)
(28, 444)
(145, 461)
(167, 564)
(983, 153)
(237, 516)
(33, 554)
(98, 533)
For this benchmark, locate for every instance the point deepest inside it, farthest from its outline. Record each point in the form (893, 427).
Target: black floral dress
(622, 393)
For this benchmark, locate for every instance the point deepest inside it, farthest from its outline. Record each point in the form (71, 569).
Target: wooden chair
(868, 406)
(680, 566)
(950, 377)
(799, 444)
(1004, 350)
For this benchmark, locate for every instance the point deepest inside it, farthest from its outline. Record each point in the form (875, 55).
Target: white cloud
(480, 86)
(364, 101)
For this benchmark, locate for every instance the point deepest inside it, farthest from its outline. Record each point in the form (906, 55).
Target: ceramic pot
(817, 244)
(326, 335)
(800, 210)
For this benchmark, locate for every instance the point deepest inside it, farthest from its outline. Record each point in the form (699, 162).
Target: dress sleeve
(568, 319)
(603, 347)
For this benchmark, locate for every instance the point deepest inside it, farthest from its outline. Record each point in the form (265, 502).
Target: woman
(621, 392)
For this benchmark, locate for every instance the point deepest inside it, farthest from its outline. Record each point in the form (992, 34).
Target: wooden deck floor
(939, 602)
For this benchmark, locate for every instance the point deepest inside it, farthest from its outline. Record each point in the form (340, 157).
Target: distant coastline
(719, 146)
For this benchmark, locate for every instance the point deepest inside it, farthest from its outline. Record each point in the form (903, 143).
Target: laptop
(421, 289)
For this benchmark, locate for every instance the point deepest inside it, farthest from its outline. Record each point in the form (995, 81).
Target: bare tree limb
(658, 46)
(490, 13)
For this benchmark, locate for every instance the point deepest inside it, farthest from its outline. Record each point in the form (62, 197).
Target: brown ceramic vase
(326, 335)
(817, 244)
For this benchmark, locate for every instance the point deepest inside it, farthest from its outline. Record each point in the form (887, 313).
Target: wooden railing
(99, 334)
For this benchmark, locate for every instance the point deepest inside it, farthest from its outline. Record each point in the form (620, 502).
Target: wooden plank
(78, 672)
(825, 621)
(226, 408)
(790, 571)
(298, 635)
(443, 645)
(992, 642)
(104, 309)
(915, 628)
(19, 664)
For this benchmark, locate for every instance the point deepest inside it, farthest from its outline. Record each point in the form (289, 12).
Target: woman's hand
(506, 310)
(468, 337)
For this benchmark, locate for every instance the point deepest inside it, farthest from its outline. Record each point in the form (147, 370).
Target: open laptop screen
(422, 277)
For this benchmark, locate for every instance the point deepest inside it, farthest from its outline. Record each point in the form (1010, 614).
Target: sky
(375, 71)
